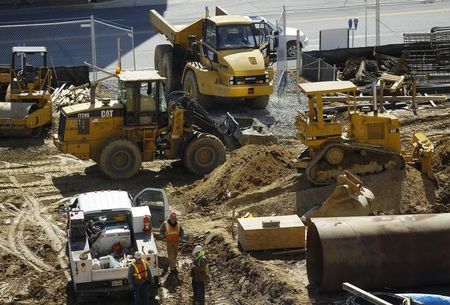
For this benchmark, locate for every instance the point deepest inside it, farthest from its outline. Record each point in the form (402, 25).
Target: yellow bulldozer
(27, 107)
(214, 57)
(144, 124)
(363, 142)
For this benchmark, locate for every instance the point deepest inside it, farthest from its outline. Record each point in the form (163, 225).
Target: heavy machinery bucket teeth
(335, 158)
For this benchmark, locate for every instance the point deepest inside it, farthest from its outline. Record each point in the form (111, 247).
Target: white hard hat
(137, 255)
(197, 249)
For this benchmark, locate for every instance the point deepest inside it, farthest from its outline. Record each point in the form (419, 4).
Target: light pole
(365, 21)
(377, 33)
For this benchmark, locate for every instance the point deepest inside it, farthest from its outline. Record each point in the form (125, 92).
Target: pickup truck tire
(291, 49)
(120, 159)
(259, 102)
(203, 154)
(190, 85)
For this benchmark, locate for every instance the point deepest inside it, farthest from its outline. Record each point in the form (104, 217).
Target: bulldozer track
(353, 154)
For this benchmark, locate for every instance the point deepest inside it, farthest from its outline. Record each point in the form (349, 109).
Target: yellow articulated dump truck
(143, 124)
(214, 57)
(27, 107)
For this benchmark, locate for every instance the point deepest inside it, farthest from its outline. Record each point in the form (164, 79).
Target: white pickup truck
(104, 230)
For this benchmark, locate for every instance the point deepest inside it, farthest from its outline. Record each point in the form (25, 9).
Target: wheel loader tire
(203, 154)
(120, 159)
(259, 102)
(190, 85)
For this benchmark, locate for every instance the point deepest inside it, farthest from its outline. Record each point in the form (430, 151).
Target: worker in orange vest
(172, 231)
(140, 276)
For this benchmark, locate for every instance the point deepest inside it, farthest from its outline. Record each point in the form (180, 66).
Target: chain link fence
(316, 69)
(73, 42)
(281, 76)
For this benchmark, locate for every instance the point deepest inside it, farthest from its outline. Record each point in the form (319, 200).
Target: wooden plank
(439, 97)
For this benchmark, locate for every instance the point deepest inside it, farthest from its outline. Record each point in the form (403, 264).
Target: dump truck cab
(213, 58)
(229, 46)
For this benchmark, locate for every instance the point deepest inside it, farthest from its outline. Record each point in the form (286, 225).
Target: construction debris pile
(364, 71)
(63, 97)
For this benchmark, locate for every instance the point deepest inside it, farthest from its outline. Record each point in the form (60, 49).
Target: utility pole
(377, 21)
(365, 21)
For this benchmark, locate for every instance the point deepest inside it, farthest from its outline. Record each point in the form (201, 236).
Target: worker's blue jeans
(141, 294)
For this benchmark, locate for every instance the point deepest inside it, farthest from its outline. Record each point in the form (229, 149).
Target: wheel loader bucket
(349, 198)
(248, 130)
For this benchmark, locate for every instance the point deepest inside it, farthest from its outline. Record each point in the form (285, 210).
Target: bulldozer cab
(142, 95)
(30, 78)
(315, 127)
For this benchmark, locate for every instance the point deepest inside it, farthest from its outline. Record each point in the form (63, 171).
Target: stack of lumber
(62, 97)
(273, 232)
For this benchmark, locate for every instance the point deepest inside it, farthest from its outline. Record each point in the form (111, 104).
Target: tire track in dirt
(17, 244)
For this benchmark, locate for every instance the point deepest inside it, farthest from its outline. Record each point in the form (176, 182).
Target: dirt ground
(35, 178)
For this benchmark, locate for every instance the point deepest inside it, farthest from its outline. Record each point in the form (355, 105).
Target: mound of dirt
(441, 168)
(247, 169)
(253, 280)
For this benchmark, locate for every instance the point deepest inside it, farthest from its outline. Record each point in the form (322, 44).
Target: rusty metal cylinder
(374, 252)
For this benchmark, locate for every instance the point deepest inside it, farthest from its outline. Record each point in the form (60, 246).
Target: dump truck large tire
(120, 159)
(259, 102)
(203, 154)
(160, 50)
(164, 63)
(190, 85)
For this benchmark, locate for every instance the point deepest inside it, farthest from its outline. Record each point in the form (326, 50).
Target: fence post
(334, 72)
(132, 46)
(318, 69)
(119, 55)
(93, 47)
(299, 55)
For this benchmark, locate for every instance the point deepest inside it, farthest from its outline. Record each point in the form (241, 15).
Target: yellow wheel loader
(214, 57)
(27, 106)
(366, 142)
(143, 125)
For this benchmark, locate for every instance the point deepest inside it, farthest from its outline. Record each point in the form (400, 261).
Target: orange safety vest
(172, 233)
(140, 273)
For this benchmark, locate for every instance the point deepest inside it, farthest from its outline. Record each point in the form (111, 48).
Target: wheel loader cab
(144, 101)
